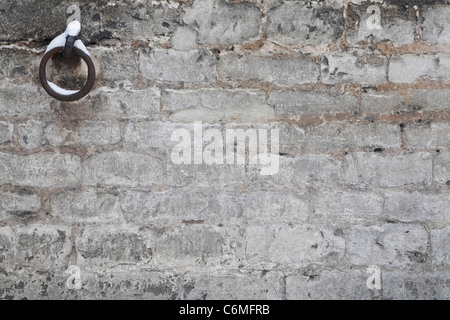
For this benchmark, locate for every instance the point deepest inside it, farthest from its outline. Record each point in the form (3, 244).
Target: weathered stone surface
(315, 170)
(205, 175)
(196, 244)
(172, 65)
(409, 68)
(6, 133)
(400, 285)
(403, 102)
(113, 245)
(366, 169)
(340, 67)
(344, 136)
(346, 206)
(296, 245)
(434, 27)
(417, 206)
(220, 22)
(43, 246)
(329, 285)
(396, 23)
(88, 206)
(302, 23)
(126, 104)
(282, 69)
(6, 248)
(394, 245)
(184, 38)
(122, 169)
(118, 65)
(21, 101)
(442, 168)
(435, 135)
(18, 204)
(297, 103)
(86, 133)
(40, 170)
(17, 63)
(222, 285)
(440, 246)
(143, 208)
(216, 105)
(100, 20)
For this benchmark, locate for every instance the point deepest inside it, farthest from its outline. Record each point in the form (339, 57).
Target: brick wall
(363, 111)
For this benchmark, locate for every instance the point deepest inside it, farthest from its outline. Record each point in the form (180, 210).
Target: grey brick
(433, 135)
(149, 135)
(124, 20)
(302, 23)
(293, 103)
(440, 246)
(134, 284)
(442, 168)
(366, 169)
(6, 133)
(216, 105)
(408, 68)
(184, 39)
(127, 21)
(157, 135)
(346, 206)
(293, 245)
(344, 135)
(401, 102)
(17, 63)
(340, 67)
(274, 205)
(394, 245)
(126, 104)
(6, 249)
(88, 206)
(143, 208)
(113, 245)
(99, 133)
(434, 26)
(40, 170)
(205, 175)
(223, 23)
(143, 21)
(216, 176)
(31, 134)
(397, 24)
(118, 65)
(86, 133)
(122, 169)
(282, 69)
(172, 65)
(18, 204)
(22, 101)
(400, 285)
(417, 206)
(313, 170)
(329, 285)
(194, 245)
(43, 246)
(223, 284)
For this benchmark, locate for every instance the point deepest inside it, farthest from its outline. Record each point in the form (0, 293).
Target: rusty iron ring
(83, 91)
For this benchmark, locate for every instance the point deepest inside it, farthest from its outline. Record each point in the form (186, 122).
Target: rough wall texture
(88, 189)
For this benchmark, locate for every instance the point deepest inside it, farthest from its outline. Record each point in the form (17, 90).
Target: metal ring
(68, 47)
(83, 91)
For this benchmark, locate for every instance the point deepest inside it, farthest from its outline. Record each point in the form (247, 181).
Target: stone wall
(361, 98)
